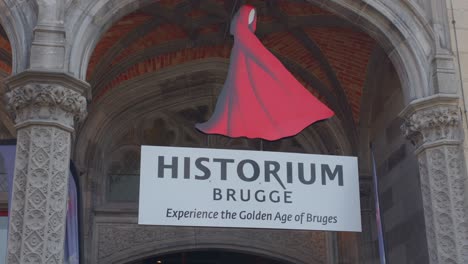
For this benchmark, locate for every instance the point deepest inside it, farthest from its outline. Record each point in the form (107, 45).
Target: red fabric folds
(260, 98)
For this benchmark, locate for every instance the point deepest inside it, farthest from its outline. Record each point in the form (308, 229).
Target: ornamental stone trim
(431, 120)
(39, 195)
(44, 105)
(431, 125)
(126, 242)
(46, 102)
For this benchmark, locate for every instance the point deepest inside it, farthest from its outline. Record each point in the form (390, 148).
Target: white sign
(249, 189)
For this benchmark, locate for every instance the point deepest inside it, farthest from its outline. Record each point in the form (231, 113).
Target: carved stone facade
(113, 235)
(434, 125)
(123, 243)
(46, 102)
(44, 114)
(39, 195)
(50, 50)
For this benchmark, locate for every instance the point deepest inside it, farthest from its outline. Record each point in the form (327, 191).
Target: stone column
(44, 106)
(433, 124)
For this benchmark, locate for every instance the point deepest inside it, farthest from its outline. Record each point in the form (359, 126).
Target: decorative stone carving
(39, 195)
(114, 241)
(434, 126)
(49, 102)
(430, 125)
(117, 241)
(45, 106)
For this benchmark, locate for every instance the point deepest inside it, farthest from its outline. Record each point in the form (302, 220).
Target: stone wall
(48, 39)
(397, 170)
(110, 233)
(458, 12)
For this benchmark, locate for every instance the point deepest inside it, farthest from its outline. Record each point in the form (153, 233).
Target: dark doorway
(208, 257)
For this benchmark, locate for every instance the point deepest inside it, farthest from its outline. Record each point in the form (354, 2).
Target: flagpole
(380, 234)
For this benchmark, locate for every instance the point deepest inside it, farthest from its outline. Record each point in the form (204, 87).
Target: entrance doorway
(208, 257)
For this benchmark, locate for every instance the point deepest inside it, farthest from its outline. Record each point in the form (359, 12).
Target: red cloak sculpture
(260, 98)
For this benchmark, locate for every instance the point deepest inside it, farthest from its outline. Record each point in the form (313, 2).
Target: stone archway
(64, 40)
(14, 42)
(123, 121)
(411, 43)
(275, 245)
(7, 130)
(408, 42)
(18, 20)
(214, 256)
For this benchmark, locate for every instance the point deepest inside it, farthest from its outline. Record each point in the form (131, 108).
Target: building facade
(92, 80)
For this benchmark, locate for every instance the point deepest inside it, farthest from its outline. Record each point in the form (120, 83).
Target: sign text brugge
(253, 189)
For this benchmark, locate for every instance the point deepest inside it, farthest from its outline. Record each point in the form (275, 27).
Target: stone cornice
(428, 102)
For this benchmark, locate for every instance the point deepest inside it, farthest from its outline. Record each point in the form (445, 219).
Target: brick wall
(5, 50)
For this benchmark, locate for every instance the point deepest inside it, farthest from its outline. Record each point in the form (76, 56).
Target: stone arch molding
(151, 241)
(111, 120)
(399, 27)
(18, 18)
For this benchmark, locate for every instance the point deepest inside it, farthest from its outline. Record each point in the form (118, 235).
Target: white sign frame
(330, 202)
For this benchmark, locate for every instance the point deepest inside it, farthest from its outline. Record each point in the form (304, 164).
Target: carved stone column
(434, 125)
(44, 106)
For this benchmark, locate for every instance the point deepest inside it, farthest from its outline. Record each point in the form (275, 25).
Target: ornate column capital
(44, 97)
(432, 120)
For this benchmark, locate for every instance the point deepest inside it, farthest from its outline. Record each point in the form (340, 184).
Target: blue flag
(377, 211)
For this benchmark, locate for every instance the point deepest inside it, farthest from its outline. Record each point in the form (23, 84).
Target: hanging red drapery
(260, 98)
